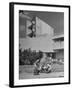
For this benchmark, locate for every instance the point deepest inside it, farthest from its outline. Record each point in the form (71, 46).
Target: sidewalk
(41, 75)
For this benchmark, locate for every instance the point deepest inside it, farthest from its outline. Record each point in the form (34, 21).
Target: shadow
(7, 85)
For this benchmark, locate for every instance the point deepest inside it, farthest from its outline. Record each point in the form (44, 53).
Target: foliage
(28, 57)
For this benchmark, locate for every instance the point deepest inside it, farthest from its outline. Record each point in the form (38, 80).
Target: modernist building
(38, 35)
(58, 46)
(39, 27)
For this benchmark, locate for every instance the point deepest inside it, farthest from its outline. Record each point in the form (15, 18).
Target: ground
(26, 72)
(41, 75)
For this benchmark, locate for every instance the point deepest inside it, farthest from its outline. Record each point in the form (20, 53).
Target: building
(39, 27)
(23, 24)
(38, 35)
(58, 46)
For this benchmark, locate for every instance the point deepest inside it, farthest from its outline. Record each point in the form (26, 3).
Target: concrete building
(43, 37)
(58, 46)
(23, 25)
(43, 28)
(40, 27)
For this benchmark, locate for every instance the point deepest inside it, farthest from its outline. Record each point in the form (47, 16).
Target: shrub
(28, 57)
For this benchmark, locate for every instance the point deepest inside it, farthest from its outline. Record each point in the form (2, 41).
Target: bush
(28, 57)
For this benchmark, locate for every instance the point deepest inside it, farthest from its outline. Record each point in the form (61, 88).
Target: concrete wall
(43, 28)
(43, 43)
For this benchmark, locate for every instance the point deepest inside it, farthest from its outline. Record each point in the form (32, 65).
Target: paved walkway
(41, 75)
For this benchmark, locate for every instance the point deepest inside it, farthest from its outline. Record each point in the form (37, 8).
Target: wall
(43, 28)
(43, 43)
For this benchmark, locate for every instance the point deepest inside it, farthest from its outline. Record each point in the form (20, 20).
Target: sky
(54, 19)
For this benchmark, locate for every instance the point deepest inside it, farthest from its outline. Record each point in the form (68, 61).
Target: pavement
(25, 75)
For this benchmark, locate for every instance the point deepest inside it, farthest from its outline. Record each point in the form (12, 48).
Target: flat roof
(58, 36)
